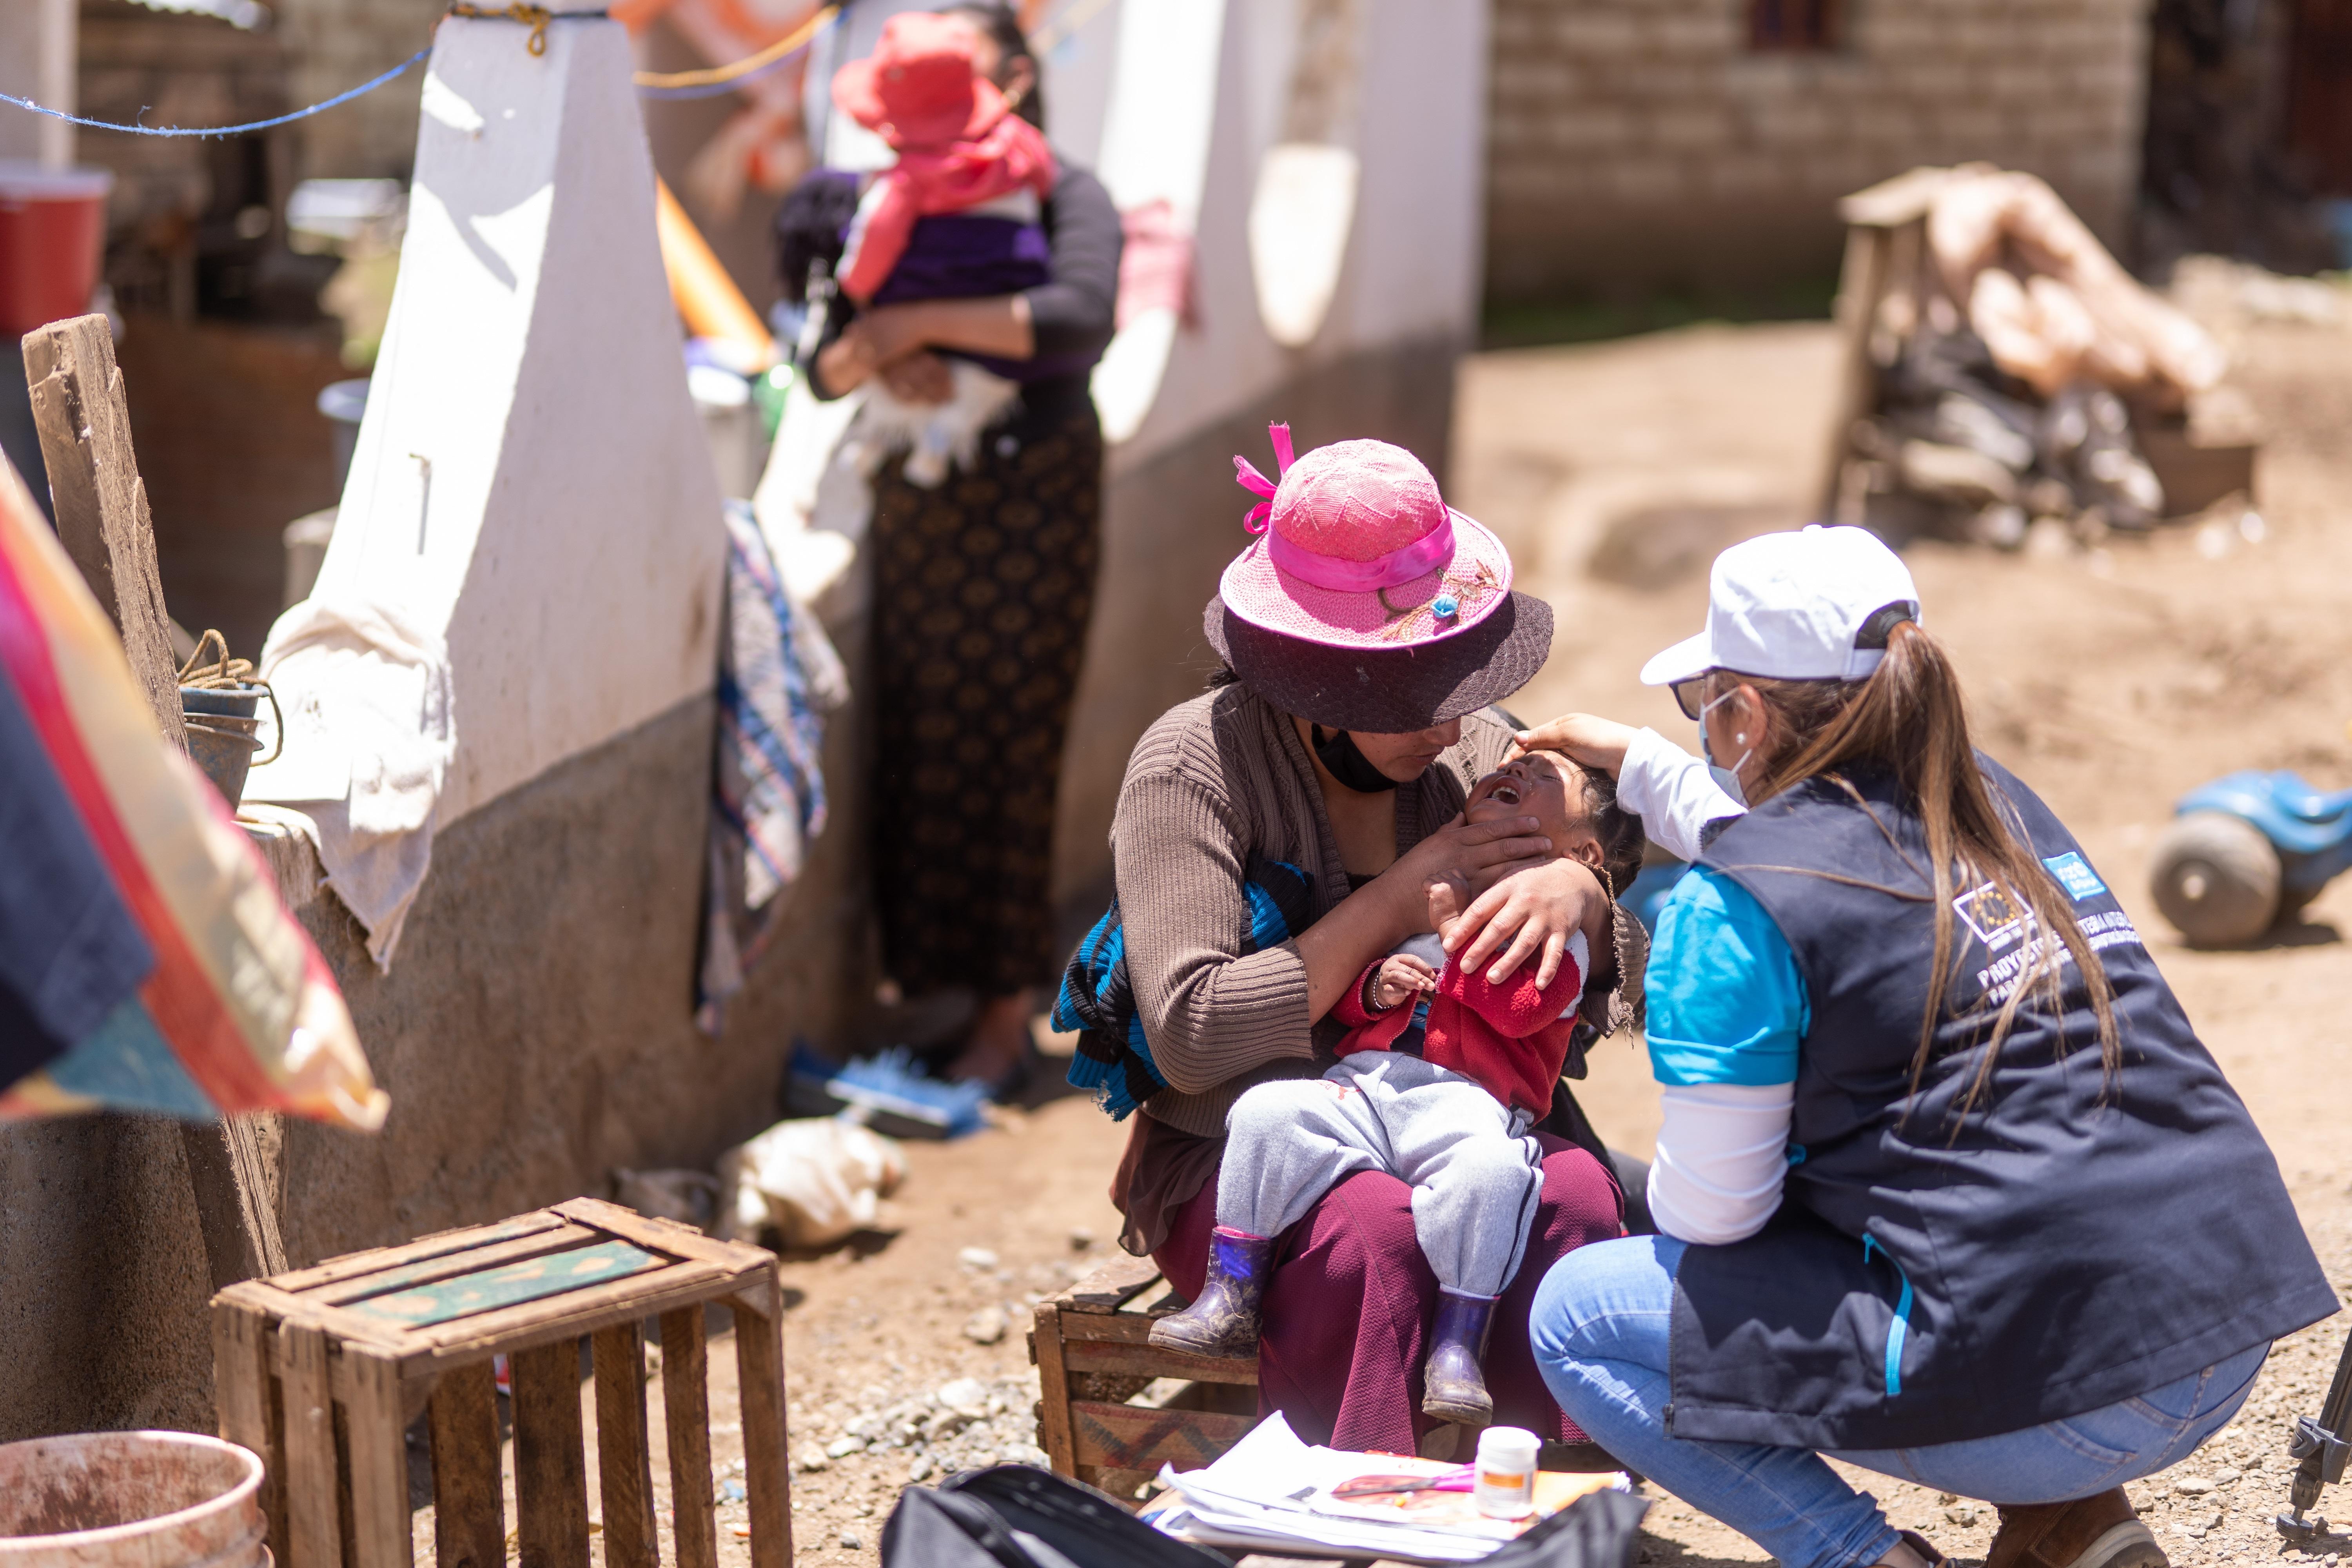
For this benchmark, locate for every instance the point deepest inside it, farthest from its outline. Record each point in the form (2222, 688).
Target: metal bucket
(130, 1500)
(224, 727)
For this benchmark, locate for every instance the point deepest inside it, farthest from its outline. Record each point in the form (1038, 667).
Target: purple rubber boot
(1223, 1319)
(1453, 1388)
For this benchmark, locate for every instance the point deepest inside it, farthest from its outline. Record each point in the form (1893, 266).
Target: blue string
(709, 90)
(365, 87)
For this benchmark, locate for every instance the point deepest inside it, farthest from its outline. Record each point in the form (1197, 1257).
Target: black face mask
(1337, 753)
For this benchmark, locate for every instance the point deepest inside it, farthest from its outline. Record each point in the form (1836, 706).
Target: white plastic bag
(815, 1180)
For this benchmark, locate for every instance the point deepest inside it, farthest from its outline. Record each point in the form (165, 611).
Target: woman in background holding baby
(985, 583)
(1363, 633)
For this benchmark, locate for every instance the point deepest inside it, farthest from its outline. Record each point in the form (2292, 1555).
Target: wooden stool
(1110, 1401)
(321, 1370)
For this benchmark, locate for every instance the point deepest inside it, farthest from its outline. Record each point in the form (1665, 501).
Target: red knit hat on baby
(918, 88)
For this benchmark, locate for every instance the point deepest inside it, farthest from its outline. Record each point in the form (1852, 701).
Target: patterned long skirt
(982, 589)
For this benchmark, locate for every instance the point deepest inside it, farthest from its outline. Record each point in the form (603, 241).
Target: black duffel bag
(1016, 1516)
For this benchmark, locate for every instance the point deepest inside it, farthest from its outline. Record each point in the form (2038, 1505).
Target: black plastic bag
(1015, 1516)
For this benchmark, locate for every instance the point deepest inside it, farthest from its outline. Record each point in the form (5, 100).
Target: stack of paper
(1273, 1492)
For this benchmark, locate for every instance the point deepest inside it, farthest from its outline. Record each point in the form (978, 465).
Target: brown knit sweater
(1218, 782)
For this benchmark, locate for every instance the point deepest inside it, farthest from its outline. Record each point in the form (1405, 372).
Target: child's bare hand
(1401, 977)
(1448, 896)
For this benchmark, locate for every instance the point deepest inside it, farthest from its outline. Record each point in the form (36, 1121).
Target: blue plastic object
(1647, 893)
(2310, 828)
(889, 1092)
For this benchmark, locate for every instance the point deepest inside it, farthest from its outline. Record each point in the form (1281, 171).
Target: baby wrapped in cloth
(1440, 1079)
(959, 216)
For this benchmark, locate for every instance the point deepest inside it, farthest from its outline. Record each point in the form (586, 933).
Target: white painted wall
(36, 61)
(530, 475)
(1413, 259)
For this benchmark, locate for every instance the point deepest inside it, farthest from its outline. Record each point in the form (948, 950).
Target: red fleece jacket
(1510, 1037)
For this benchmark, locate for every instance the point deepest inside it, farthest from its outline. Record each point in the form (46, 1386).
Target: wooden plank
(551, 1460)
(662, 1235)
(1905, 198)
(313, 1534)
(102, 518)
(685, 1411)
(1109, 1287)
(1106, 1327)
(102, 503)
(379, 1464)
(574, 1316)
(1053, 1389)
(433, 1270)
(767, 1468)
(1862, 284)
(1151, 1361)
(507, 1285)
(624, 1466)
(439, 1244)
(469, 1527)
(242, 1388)
(1132, 1437)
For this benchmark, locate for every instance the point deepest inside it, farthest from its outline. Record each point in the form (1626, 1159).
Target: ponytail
(1908, 717)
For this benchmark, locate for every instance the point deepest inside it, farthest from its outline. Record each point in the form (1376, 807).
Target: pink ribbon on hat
(1423, 555)
(1245, 475)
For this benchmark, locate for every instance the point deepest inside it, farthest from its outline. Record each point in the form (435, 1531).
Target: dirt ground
(2111, 679)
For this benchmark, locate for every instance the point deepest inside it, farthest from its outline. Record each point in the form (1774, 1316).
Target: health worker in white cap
(1946, 1184)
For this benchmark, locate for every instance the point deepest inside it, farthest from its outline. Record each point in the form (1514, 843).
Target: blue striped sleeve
(1726, 1002)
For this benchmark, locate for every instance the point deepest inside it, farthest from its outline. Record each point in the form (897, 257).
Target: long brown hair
(1908, 717)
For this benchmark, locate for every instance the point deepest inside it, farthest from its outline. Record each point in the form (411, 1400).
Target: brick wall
(1637, 145)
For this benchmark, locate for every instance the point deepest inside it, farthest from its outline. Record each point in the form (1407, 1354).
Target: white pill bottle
(1505, 1472)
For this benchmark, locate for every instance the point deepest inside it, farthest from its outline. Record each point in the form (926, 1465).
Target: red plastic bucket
(52, 235)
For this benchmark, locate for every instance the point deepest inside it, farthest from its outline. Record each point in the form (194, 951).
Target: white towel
(370, 727)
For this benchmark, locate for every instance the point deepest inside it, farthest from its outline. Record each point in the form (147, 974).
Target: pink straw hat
(1360, 563)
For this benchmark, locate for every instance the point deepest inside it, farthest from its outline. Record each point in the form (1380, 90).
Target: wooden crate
(1886, 252)
(1110, 1401)
(321, 1370)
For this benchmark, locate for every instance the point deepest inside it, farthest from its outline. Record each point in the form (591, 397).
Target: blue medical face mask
(1725, 779)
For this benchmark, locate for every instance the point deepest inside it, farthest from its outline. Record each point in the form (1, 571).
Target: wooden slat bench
(319, 1370)
(1111, 1405)
(1112, 1408)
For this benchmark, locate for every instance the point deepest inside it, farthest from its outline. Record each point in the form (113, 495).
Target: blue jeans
(1599, 1328)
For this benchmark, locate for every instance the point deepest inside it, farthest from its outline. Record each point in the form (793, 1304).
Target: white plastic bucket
(130, 1500)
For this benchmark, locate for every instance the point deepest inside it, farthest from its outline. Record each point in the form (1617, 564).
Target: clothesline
(709, 83)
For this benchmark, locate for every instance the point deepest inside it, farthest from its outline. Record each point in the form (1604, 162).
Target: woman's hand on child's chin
(1458, 848)
(1530, 912)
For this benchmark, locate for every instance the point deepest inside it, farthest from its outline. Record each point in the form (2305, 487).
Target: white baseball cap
(1815, 605)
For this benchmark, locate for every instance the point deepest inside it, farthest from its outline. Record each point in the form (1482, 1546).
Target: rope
(535, 17)
(223, 673)
(719, 76)
(339, 99)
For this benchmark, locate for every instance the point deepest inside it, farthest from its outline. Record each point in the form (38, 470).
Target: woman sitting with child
(1362, 634)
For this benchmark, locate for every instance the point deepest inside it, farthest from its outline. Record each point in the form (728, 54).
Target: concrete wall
(534, 1033)
(1635, 146)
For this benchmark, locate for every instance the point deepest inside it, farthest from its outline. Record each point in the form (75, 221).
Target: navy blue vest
(2074, 1240)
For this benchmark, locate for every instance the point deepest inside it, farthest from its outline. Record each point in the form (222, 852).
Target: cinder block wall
(335, 44)
(1640, 145)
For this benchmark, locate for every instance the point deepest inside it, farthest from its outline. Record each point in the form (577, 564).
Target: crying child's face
(1541, 784)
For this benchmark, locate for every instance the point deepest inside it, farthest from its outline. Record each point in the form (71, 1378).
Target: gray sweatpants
(1473, 1169)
